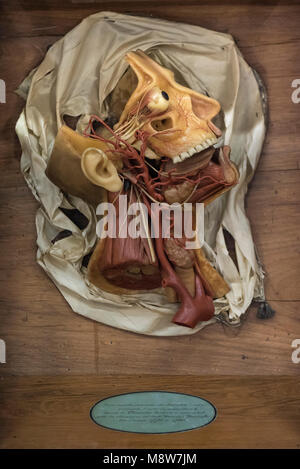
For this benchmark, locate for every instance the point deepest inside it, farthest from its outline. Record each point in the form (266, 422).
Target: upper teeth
(187, 154)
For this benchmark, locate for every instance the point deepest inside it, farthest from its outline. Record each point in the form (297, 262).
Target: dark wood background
(57, 360)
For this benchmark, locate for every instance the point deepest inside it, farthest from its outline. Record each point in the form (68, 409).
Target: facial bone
(177, 119)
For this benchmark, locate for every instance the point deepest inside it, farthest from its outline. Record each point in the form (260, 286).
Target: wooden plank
(41, 332)
(252, 21)
(276, 234)
(45, 412)
(258, 347)
(273, 189)
(282, 143)
(39, 328)
(18, 58)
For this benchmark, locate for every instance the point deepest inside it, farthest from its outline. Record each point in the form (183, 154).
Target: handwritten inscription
(153, 412)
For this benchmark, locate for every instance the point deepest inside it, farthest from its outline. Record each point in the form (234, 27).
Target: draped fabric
(76, 76)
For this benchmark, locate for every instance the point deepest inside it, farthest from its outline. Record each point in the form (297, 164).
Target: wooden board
(53, 412)
(42, 334)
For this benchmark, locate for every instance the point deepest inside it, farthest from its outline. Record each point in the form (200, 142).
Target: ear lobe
(100, 170)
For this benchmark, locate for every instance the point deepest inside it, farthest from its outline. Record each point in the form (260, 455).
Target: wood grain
(256, 348)
(84, 360)
(53, 412)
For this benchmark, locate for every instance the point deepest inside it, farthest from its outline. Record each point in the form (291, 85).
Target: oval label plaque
(153, 412)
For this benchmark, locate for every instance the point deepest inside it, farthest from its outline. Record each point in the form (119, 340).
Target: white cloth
(77, 74)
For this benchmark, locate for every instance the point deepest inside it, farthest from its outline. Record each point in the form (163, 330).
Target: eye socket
(157, 100)
(162, 124)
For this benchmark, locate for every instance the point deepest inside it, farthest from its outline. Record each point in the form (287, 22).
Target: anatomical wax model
(161, 150)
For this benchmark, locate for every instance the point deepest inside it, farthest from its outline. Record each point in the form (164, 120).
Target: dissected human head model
(178, 121)
(164, 150)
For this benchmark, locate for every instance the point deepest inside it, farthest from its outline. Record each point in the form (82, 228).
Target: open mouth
(197, 157)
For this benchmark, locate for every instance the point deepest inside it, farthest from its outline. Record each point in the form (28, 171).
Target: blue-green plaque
(153, 412)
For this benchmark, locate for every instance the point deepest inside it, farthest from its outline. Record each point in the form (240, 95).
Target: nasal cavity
(162, 124)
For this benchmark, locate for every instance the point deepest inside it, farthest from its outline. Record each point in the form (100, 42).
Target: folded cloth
(75, 78)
